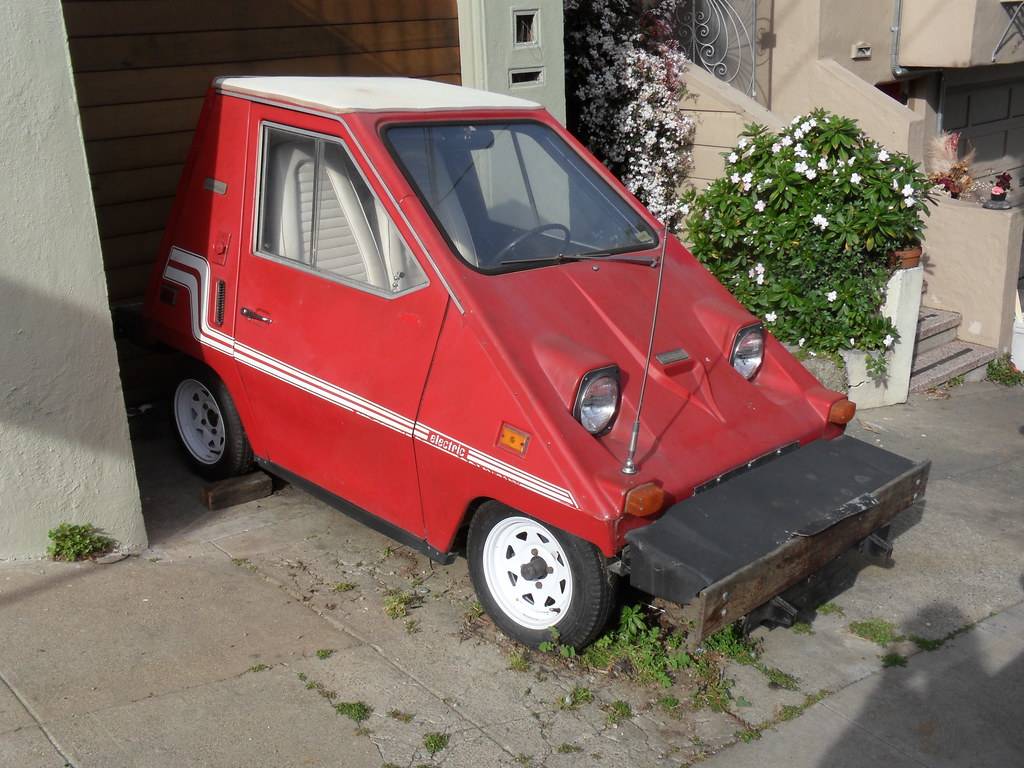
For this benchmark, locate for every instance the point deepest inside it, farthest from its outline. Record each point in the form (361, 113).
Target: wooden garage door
(142, 67)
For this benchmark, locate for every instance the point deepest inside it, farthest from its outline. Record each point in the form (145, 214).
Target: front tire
(208, 427)
(536, 581)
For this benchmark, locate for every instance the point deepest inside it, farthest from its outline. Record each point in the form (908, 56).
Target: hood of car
(700, 417)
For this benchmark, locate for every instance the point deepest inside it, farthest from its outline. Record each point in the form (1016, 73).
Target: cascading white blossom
(628, 90)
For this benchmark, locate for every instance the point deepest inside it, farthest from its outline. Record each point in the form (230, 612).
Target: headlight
(748, 351)
(597, 401)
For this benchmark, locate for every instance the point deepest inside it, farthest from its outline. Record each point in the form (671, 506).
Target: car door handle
(254, 315)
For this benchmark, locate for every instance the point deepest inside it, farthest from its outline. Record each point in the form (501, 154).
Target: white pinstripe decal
(350, 401)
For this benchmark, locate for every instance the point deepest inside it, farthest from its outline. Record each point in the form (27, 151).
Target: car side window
(316, 210)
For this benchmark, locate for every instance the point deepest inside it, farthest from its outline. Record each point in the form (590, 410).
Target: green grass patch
(435, 742)
(647, 653)
(576, 698)
(357, 711)
(398, 602)
(669, 703)
(831, 609)
(568, 749)
(733, 644)
(925, 644)
(1003, 371)
(325, 653)
(877, 631)
(802, 628)
(261, 667)
(518, 661)
(894, 660)
(789, 712)
(748, 735)
(343, 586)
(474, 612)
(70, 542)
(618, 711)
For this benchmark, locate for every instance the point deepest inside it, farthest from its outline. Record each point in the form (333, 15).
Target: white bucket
(1017, 348)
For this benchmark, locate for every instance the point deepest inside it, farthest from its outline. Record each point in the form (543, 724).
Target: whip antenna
(629, 468)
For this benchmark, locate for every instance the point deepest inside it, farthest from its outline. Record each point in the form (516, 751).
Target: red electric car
(434, 309)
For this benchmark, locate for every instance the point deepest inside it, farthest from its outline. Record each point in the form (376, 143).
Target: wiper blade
(588, 256)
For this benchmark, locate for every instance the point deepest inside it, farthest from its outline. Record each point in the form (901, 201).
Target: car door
(338, 320)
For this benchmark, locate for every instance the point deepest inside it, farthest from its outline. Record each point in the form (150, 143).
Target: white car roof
(367, 94)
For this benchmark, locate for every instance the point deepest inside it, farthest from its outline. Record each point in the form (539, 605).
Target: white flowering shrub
(801, 226)
(624, 90)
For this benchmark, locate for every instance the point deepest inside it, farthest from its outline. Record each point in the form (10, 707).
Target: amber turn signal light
(841, 412)
(513, 439)
(644, 500)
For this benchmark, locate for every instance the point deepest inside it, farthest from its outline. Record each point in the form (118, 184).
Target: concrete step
(935, 328)
(957, 358)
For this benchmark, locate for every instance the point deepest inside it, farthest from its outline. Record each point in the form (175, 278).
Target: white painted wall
(488, 50)
(63, 431)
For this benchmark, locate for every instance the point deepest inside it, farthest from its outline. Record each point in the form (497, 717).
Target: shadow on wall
(959, 706)
(55, 383)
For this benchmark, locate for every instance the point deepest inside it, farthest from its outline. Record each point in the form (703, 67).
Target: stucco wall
(972, 258)
(63, 431)
(488, 50)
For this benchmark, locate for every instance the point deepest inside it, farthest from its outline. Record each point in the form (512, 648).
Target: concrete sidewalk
(204, 652)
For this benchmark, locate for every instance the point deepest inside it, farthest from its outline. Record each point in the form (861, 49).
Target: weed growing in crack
(831, 609)
(748, 735)
(576, 698)
(524, 760)
(343, 586)
(802, 628)
(518, 661)
(400, 716)
(894, 660)
(435, 742)
(412, 626)
(877, 631)
(925, 644)
(777, 678)
(789, 712)
(259, 667)
(357, 711)
(669, 703)
(618, 711)
(71, 542)
(325, 653)
(474, 612)
(243, 562)
(397, 603)
(568, 749)
(644, 651)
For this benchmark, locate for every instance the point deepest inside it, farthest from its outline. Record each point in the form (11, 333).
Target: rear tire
(208, 427)
(536, 581)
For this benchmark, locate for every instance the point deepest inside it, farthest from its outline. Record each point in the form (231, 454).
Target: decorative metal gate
(721, 37)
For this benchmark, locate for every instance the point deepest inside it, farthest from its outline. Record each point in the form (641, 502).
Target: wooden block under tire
(237, 490)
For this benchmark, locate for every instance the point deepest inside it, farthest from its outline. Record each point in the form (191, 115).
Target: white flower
(811, 174)
(796, 119)
(805, 126)
(798, 134)
(801, 342)
(895, 185)
(908, 191)
(759, 206)
(707, 215)
(685, 210)
(771, 317)
(748, 177)
(735, 178)
(820, 221)
(849, 161)
(776, 148)
(766, 182)
(909, 202)
(855, 178)
(852, 341)
(831, 296)
(800, 167)
(733, 157)
(759, 268)
(742, 142)
(888, 340)
(812, 123)
(813, 353)
(823, 164)
(786, 141)
(883, 155)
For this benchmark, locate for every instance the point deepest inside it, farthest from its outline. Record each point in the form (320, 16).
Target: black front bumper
(730, 549)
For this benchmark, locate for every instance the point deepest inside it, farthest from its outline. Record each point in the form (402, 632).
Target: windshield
(514, 195)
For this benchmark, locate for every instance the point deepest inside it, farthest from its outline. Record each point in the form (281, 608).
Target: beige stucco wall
(63, 431)
(972, 257)
(719, 112)
(844, 24)
(488, 51)
(956, 33)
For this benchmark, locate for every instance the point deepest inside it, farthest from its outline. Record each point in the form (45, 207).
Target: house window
(317, 212)
(526, 28)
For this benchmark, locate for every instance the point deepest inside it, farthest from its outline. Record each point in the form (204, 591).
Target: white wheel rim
(516, 551)
(199, 421)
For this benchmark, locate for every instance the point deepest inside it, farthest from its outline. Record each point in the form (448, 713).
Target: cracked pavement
(158, 660)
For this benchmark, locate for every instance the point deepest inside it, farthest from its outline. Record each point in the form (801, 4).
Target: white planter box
(902, 306)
